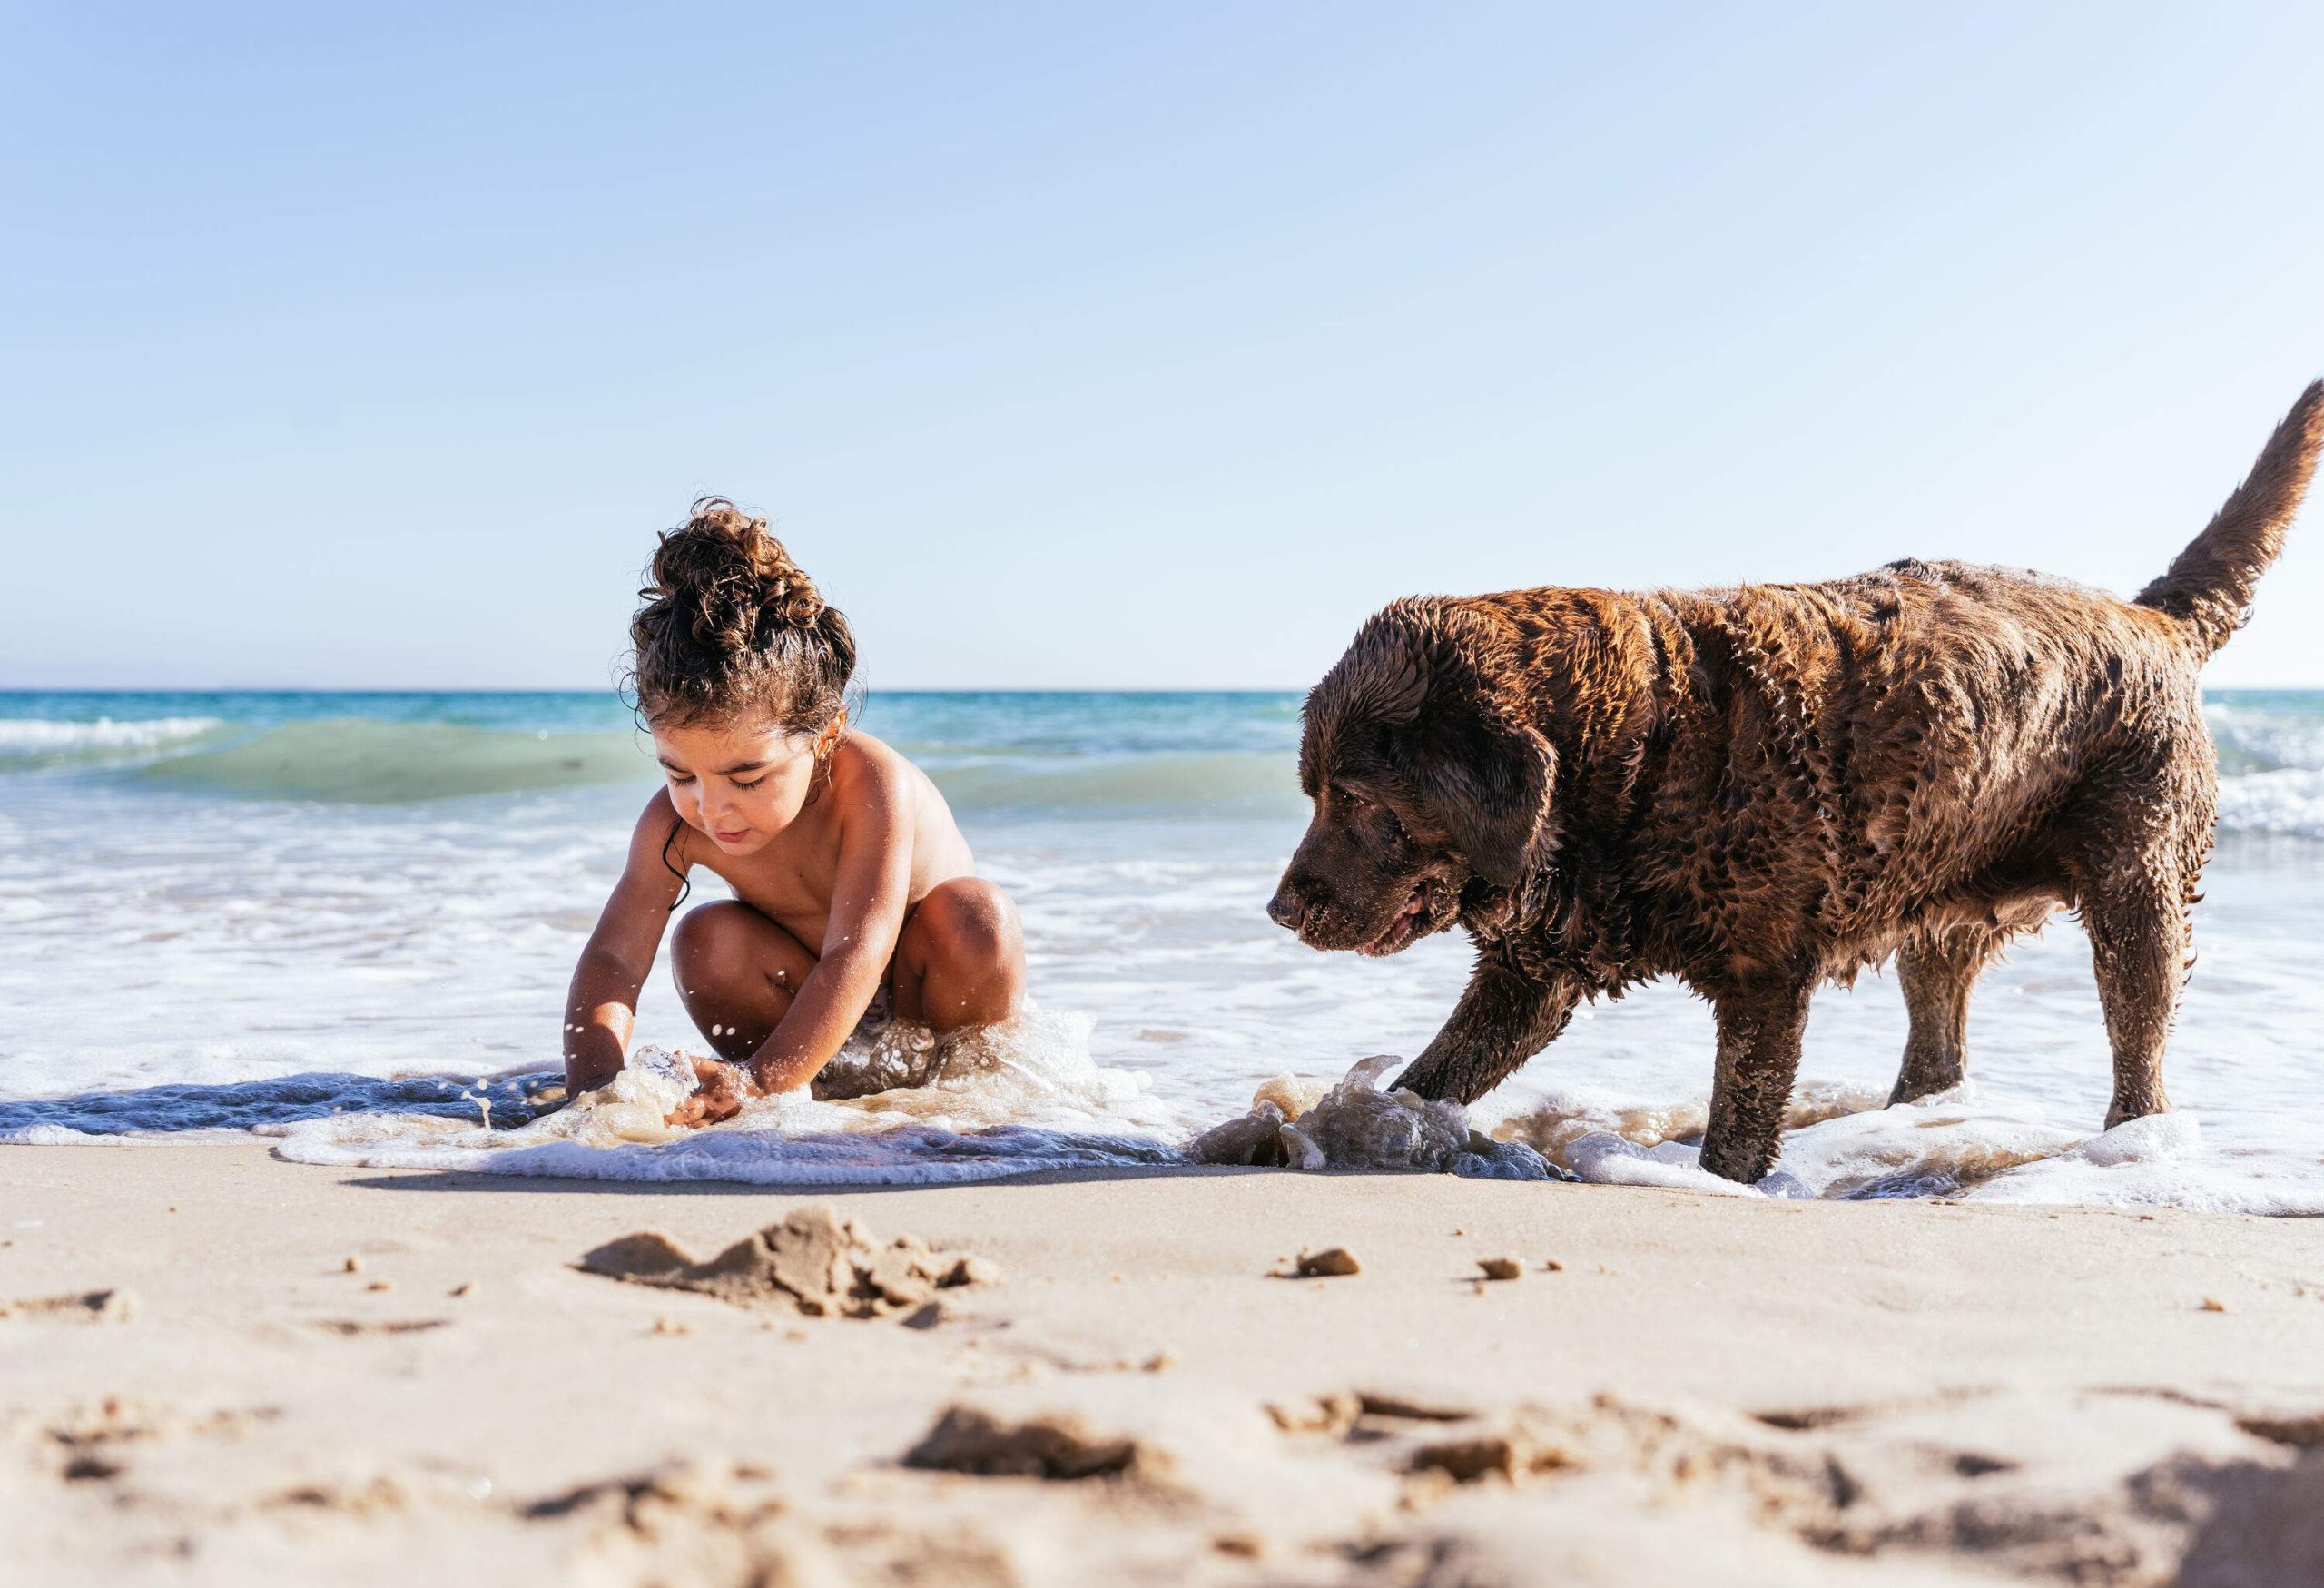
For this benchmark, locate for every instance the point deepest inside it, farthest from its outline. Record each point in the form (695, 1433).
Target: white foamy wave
(1005, 1100)
(1933, 1148)
(1839, 1144)
(1567, 1117)
(2290, 802)
(56, 1136)
(1959, 1144)
(37, 736)
(2254, 738)
(2163, 1161)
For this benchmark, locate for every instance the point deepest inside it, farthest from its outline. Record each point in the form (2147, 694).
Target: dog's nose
(1286, 910)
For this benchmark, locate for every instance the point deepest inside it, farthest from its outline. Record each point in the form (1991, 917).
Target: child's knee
(708, 942)
(971, 922)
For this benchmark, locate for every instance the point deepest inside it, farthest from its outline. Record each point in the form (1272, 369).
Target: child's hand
(719, 1093)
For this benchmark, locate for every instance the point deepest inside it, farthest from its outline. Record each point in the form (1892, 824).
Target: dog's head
(1425, 778)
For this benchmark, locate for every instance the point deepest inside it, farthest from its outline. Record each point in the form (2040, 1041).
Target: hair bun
(735, 577)
(785, 592)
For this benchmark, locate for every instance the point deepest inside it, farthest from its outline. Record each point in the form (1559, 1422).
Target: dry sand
(1704, 1388)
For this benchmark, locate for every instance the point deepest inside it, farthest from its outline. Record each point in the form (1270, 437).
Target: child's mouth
(737, 836)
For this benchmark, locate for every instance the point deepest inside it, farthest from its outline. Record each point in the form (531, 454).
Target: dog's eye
(1350, 800)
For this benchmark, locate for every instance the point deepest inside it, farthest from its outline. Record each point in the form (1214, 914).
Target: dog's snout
(1287, 909)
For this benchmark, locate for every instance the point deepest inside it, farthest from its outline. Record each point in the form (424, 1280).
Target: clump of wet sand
(812, 1261)
(1334, 1262)
(83, 1306)
(1057, 1447)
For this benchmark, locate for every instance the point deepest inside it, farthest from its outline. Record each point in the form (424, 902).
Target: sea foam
(1009, 1099)
(1026, 1097)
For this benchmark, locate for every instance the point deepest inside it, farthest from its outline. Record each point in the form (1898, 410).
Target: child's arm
(870, 896)
(603, 1003)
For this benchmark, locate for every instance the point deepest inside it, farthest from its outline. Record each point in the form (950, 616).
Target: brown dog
(1760, 789)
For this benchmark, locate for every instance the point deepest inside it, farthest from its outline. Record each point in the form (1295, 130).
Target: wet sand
(1749, 1391)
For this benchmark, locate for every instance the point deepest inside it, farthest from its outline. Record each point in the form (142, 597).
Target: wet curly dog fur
(1761, 789)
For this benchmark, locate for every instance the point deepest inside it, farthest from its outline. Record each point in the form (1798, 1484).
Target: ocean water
(346, 921)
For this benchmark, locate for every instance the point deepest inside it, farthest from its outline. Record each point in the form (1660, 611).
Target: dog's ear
(1485, 774)
(1488, 779)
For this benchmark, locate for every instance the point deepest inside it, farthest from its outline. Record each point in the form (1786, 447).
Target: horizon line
(479, 689)
(611, 694)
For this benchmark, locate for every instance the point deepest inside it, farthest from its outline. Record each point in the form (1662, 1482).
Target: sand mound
(813, 1261)
(85, 1306)
(1355, 1125)
(1057, 1447)
(1334, 1262)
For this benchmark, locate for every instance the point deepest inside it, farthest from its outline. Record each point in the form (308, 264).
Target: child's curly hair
(731, 627)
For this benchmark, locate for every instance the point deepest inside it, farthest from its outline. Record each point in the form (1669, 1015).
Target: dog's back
(1928, 742)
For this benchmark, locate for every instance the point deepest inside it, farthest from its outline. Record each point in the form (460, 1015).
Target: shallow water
(247, 911)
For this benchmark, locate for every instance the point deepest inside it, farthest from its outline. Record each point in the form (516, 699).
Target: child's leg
(960, 958)
(736, 970)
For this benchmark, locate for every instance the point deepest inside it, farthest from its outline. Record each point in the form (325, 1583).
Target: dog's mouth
(1403, 927)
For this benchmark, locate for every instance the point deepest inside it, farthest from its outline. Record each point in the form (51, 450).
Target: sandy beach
(310, 1374)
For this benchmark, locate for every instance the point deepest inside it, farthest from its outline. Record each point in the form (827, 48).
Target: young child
(849, 877)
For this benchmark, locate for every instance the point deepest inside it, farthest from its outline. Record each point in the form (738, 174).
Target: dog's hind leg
(1937, 970)
(2135, 911)
(1758, 1054)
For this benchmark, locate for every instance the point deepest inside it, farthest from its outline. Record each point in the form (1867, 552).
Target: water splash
(1356, 1126)
(1014, 1098)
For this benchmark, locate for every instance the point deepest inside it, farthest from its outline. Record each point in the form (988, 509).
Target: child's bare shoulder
(863, 765)
(659, 812)
(869, 771)
(659, 827)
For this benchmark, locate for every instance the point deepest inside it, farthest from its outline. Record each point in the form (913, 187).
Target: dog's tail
(2208, 586)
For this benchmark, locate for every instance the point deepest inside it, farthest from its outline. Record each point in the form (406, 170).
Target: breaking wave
(362, 760)
(36, 742)
(2271, 761)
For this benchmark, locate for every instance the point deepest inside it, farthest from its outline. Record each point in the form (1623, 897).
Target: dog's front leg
(1759, 1055)
(1508, 1014)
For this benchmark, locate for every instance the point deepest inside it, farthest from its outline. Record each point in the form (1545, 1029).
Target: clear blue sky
(1116, 345)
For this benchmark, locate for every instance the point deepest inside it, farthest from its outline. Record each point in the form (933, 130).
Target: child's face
(739, 783)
